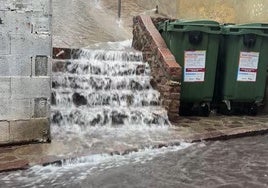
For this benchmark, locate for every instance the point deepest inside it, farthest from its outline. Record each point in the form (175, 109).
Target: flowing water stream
(105, 97)
(106, 88)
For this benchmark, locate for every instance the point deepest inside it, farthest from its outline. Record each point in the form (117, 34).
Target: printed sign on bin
(194, 66)
(248, 66)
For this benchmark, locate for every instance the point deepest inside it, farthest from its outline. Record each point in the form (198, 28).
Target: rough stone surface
(12, 109)
(41, 107)
(5, 84)
(165, 71)
(30, 87)
(166, 7)
(4, 131)
(41, 66)
(25, 75)
(15, 65)
(24, 131)
(29, 130)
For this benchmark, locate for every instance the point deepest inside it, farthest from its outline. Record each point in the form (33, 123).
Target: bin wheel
(205, 110)
(224, 109)
(253, 110)
(186, 109)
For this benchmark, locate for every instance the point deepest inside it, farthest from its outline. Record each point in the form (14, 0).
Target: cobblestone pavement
(190, 129)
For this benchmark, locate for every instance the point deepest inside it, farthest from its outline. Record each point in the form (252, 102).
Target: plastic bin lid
(254, 28)
(206, 26)
(196, 22)
(249, 26)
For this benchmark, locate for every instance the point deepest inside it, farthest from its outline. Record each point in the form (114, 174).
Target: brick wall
(165, 71)
(25, 73)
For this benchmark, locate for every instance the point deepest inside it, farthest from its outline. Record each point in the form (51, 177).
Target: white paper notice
(194, 66)
(248, 66)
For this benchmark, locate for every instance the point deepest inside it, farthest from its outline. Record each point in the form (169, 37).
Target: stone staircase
(104, 88)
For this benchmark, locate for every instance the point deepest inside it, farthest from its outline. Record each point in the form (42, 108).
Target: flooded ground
(238, 163)
(235, 163)
(232, 164)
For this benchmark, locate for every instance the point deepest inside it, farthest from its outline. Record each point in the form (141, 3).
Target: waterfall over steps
(105, 88)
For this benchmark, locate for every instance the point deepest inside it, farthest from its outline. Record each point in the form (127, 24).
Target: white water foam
(107, 88)
(76, 170)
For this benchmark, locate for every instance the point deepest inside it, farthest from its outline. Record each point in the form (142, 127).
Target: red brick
(149, 26)
(146, 20)
(8, 158)
(175, 96)
(172, 64)
(174, 117)
(14, 165)
(175, 73)
(174, 106)
(158, 41)
(166, 54)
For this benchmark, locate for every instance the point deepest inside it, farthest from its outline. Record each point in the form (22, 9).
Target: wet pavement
(73, 143)
(137, 157)
(236, 163)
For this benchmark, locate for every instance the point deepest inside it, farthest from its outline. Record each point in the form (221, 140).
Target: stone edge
(19, 132)
(169, 63)
(65, 53)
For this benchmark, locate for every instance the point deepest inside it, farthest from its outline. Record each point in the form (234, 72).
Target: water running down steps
(106, 88)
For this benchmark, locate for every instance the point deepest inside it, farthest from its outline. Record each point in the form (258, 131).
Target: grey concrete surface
(25, 75)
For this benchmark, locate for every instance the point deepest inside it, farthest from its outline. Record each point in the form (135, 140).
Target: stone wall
(165, 71)
(25, 74)
(227, 11)
(224, 11)
(166, 7)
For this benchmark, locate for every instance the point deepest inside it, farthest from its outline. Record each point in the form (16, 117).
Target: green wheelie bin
(243, 68)
(195, 44)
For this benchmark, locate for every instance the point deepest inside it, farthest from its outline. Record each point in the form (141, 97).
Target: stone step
(115, 98)
(96, 82)
(105, 116)
(113, 55)
(110, 68)
(110, 55)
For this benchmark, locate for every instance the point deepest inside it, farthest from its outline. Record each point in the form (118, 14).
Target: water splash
(106, 88)
(154, 10)
(74, 171)
(97, 4)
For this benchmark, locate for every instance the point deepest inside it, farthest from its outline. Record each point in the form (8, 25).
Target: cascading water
(106, 88)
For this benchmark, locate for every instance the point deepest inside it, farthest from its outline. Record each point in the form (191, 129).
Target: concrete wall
(224, 11)
(25, 73)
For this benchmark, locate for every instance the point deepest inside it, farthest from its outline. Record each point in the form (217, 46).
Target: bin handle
(244, 31)
(195, 37)
(178, 26)
(187, 28)
(249, 40)
(264, 25)
(216, 28)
